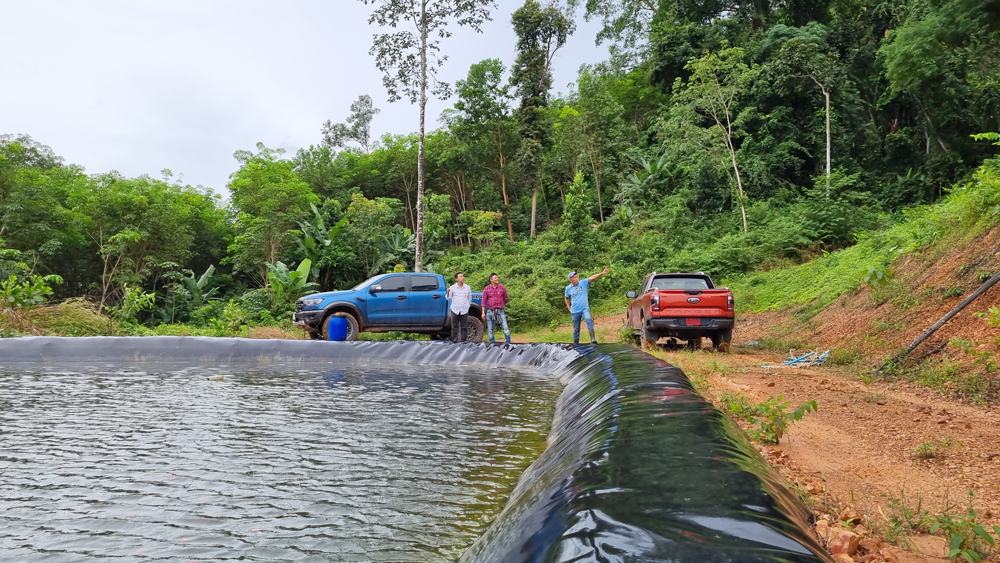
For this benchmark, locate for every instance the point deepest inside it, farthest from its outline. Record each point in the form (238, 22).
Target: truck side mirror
(630, 294)
(375, 289)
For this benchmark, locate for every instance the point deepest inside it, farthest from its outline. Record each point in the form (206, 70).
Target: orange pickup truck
(682, 306)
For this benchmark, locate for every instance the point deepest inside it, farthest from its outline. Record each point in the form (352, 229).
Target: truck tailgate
(687, 303)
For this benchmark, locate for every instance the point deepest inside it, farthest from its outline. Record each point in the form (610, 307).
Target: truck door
(387, 302)
(426, 303)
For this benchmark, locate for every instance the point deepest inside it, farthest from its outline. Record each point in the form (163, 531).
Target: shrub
(202, 316)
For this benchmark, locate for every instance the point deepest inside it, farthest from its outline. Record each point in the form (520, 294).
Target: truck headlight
(312, 301)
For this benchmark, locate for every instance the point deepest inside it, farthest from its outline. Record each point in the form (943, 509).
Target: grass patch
(782, 344)
(952, 377)
(73, 317)
(874, 397)
(843, 357)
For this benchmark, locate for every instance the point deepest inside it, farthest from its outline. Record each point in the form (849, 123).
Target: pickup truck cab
(406, 302)
(683, 306)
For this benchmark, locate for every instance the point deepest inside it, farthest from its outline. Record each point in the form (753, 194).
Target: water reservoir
(196, 449)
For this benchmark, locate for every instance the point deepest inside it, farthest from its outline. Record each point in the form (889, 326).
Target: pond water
(342, 464)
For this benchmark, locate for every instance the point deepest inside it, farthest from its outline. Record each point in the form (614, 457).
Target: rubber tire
(725, 338)
(647, 338)
(352, 327)
(477, 332)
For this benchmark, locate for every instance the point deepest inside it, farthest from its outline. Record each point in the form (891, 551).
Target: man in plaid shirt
(494, 300)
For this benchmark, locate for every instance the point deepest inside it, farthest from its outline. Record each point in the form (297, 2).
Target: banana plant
(288, 285)
(316, 237)
(196, 287)
(394, 249)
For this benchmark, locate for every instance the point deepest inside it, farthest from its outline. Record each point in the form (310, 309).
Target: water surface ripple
(346, 464)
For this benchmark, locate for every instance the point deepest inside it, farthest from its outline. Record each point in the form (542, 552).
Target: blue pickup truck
(406, 302)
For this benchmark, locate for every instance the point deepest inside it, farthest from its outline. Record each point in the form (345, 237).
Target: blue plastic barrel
(336, 330)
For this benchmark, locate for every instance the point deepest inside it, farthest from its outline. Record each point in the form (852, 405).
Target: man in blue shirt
(578, 304)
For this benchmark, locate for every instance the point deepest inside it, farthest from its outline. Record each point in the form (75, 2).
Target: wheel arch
(344, 307)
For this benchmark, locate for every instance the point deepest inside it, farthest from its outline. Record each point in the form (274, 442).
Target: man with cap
(578, 304)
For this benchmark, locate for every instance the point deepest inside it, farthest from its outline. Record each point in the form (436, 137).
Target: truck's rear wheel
(646, 337)
(476, 329)
(721, 339)
(352, 327)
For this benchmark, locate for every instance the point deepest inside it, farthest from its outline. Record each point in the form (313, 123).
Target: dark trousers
(459, 321)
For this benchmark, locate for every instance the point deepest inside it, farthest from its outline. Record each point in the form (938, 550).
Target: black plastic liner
(638, 467)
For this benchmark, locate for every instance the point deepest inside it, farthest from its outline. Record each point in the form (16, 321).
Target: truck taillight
(730, 302)
(654, 302)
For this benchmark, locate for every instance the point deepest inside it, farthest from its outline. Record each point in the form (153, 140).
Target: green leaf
(956, 544)
(983, 534)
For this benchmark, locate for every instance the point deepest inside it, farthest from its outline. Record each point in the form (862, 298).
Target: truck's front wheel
(352, 327)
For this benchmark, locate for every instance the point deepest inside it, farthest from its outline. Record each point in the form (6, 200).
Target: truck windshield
(367, 282)
(679, 283)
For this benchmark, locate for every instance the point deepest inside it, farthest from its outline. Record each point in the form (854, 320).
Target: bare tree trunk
(503, 181)
(597, 182)
(418, 258)
(827, 96)
(739, 182)
(534, 207)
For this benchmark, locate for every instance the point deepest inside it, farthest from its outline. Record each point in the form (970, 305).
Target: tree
(368, 221)
(804, 54)
(716, 82)
(401, 154)
(541, 31)
(483, 112)
(268, 199)
(405, 58)
(593, 126)
(358, 127)
(627, 24)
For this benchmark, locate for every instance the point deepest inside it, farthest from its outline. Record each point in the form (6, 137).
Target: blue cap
(571, 274)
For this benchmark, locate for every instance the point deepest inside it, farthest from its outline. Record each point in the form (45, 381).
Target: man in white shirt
(460, 295)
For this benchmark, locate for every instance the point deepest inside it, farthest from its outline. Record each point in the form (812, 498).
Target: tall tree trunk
(827, 96)
(503, 181)
(739, 181)
(597, 182)
(418, 258)
(534, 207)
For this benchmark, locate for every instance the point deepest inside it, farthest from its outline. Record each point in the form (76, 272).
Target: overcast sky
(139, 86)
